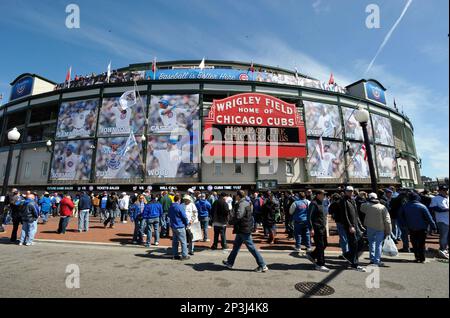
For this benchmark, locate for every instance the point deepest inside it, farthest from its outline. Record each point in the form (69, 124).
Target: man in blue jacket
(204, 210)
(417, 218)
(84, 206)
(151, 215)
(299, 212)
(29, 216)
(46, 206)
(178, 223)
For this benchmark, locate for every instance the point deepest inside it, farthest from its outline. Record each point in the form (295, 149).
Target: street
(110, 271)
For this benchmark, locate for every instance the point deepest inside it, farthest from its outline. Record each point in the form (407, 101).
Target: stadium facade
(166, 137)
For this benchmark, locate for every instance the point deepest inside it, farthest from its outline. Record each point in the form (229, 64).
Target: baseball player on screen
(122, 118)
(79, 120)
(169, 159)
(172, 116)
(70, 162)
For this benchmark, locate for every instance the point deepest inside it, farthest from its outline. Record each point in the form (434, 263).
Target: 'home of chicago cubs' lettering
(250, 123)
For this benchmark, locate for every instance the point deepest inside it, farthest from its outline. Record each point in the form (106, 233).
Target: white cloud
(320, 7)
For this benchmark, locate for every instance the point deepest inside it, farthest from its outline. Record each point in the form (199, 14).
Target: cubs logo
(21, 88)
(70, 164)
(123, 115)
(170, 114)
(113, 163)
(376, 93)
(243, 77)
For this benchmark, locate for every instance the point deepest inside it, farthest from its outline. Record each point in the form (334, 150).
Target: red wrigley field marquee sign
(254, 125)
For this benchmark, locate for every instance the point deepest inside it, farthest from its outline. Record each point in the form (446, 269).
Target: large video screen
(77, 119)
(171, 157)
(325, 159)
(386, 162)
(383, 130)
(353, 130)
(113, 120)
(322, 120)
(72, 160)
(119, 158)
(358, 166)
(170, 112)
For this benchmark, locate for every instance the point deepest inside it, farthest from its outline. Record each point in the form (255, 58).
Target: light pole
(363, 117)
(13, 138)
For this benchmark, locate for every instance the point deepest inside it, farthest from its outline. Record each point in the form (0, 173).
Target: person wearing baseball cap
(45, 204)
(439, 205)
(378, 224)
(352, 226)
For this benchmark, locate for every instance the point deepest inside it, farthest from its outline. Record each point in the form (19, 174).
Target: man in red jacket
(65, 210)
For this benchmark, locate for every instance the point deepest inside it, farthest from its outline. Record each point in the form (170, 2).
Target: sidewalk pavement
(122, 234)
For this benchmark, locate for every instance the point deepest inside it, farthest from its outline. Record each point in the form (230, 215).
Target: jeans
(44, 216)
(418, 239)
(137, 234)
(63, 222)
(271, 231)
(443, 236)
(179, 235)
(165, 224)
(111, 217)
(376, 239)
(288, 224)
(204, 222)
(301, 233)
(247, 240)
(343, 241)
(103, 214)
(83, 221)
(147, 225)
(353, 248)
(321, 242)
(29, 230)
(222, 231)
(123, 215)
(189, 241)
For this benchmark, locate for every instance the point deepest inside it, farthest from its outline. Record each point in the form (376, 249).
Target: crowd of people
(93, 79)
(362, 219)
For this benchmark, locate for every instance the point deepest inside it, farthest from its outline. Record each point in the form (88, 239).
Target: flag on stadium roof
(202, 64)
(154, 68)
(68, 76)
(331, 81)
(108, 73)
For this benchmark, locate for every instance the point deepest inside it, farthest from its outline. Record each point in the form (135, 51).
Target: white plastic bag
(389, 247)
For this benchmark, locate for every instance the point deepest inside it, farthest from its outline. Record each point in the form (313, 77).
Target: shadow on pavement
(212, 267)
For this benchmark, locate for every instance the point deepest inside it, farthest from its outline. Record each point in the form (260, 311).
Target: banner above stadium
(254, 125)
(22, 88)
(375, 92)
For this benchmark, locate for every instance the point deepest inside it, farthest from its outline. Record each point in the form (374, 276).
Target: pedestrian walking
(124, 202)
(318, 224)
(204, 211)
(378, 223)
(352, 227)
(112, 210)
(45, 204)
(66, 207)
(299, 214)
(16, 205)
(242, 220)
(192, 215)
(29, 218)
(221, 213)
(165, 201)
(136, 216)
(269, 211)
(439, 205)
(103, 210)
(150, 219)
(84, 206)
(417, 217)
(178, 223)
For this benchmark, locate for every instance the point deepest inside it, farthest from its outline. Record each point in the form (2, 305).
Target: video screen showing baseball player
(119, 158)
(169, 112)
(77, 119)
(325, 159)
(383, 130)
(322, 120)
(386, 162)
(72, 160)
(170, 157)
(115, 120)
(358, 166)
(353, 130)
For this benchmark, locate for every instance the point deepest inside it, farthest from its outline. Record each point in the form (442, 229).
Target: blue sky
(316, 36)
